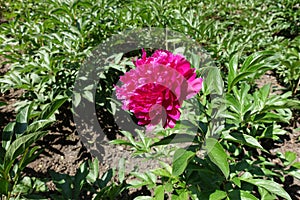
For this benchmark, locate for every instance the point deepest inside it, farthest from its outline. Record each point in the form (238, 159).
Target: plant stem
(15, 179)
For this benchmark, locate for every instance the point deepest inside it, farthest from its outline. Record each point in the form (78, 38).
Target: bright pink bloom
(156, 88)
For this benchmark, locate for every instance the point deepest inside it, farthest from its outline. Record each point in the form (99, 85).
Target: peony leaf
(181, 160)
(217, 155)
(271, 186)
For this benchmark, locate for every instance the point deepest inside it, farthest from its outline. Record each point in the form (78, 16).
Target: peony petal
(164, 80)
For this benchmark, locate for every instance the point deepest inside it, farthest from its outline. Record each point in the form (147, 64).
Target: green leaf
(241, 195)
(121, 170)
(137, 183)
(63, 183)
(76, 99)
(181, 160)
(282, 104)
(143, 198)
(23, 115)
(264, 93)
(39, 125)
(105, 179)
(80, 179)
(165, 171)
(238, 78)
(271, 186)
(147, 178)
(217, 155)
(31, 155)
(24, 186)
(128, 135)
(245, 195)
(174, 138)
(270, 118)
(236, 181)
(2, 154)
(233, 65)
(159, 192)
(213, 81)
(184, 195)
(295, 173)
(290, 157)
(218, 195)
(93, 171)
(254, 59)
(4, 186)
(19, 146)
(296, 165)
(265, 194)
(7, 134)
(52, 107)
(88, 95)
(118, 57)
(243, 139)
(121, 142)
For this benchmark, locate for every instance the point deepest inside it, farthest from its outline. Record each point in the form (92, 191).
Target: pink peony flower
(156, 88)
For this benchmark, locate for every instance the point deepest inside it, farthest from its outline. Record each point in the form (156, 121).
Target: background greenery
(45, 42)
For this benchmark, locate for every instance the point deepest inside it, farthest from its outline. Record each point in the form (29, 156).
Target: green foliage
(45, 43)
(289, 67)
(17, 150)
